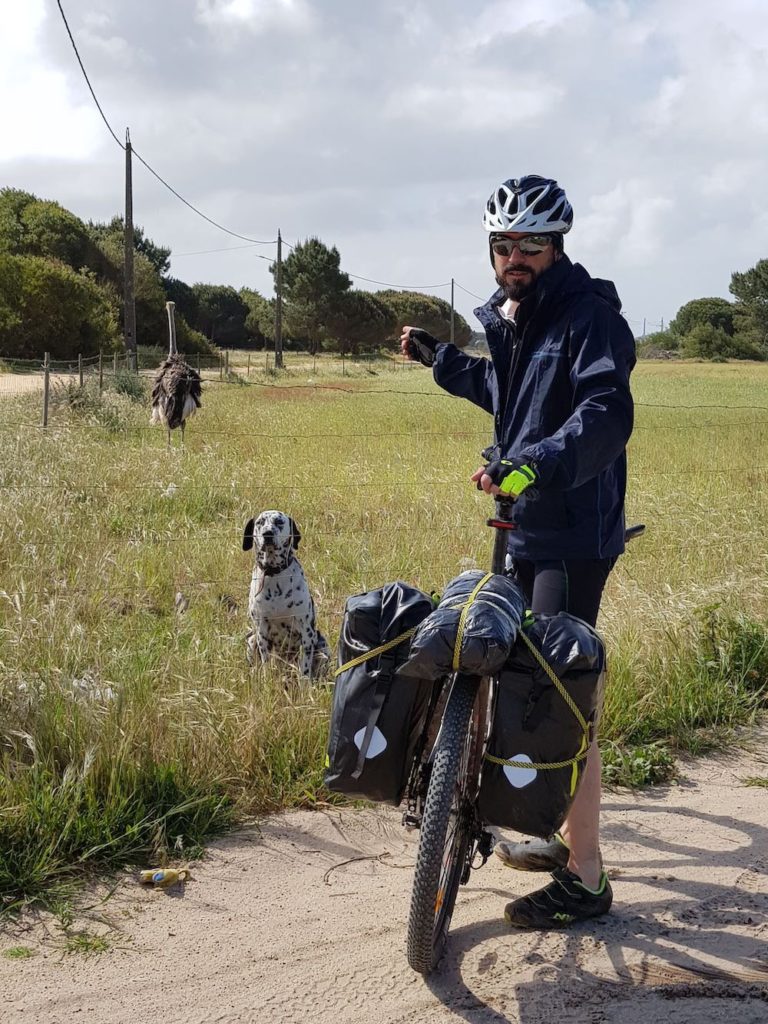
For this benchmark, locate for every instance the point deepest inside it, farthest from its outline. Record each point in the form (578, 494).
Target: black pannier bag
(535, 726)
(473, 629)
(377, 718)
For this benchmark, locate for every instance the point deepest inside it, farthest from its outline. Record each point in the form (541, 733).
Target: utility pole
(643, 326)
(129, 316)
(452, 327)
(279, 305)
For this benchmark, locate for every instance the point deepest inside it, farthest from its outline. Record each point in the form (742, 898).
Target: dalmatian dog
(280, 606)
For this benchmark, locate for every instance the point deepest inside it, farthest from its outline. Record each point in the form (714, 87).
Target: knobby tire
(432, 903)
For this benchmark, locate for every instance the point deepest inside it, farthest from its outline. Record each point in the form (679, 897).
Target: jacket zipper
(517, 344)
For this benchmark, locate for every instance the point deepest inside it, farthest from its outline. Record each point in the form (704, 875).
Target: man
(557, 385)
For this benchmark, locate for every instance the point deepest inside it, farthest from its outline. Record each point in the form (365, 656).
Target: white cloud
(257, 16)
(38, 116)
(478, 104)
(630, 221)
(508, 18)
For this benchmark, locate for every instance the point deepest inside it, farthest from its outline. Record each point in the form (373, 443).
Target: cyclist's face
(517, 273)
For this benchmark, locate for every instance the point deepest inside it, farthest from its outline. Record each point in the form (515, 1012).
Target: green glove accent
(515, 482)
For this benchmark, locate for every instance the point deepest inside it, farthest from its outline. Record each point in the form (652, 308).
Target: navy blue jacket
(557, 385)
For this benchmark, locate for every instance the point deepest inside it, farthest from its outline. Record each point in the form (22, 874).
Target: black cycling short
(574, 585)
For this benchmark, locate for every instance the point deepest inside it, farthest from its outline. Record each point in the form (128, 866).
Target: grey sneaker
(566, 899)
(534, 854)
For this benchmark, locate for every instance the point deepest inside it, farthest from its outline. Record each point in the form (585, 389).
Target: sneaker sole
(536, 861)
(533, 863)
(553, 925)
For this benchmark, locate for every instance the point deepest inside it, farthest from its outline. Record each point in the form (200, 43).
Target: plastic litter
(164, 878)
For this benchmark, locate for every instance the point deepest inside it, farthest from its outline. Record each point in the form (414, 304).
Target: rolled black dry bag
(473, 629)
(541, 722)
(377, 718)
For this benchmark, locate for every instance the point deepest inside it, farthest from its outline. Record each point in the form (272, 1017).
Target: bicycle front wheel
(445, 832)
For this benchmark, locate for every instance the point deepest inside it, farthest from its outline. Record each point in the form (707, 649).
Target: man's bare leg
(581, 830)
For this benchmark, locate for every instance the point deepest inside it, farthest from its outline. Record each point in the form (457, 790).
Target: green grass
(85, 943)
(129, 732)
(760, 781)
(18, 953)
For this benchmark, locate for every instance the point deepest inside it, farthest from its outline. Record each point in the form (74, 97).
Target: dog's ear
(248, 535)
(295, 533)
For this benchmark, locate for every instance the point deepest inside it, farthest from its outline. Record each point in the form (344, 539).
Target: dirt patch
(19, 383)
(303, 920)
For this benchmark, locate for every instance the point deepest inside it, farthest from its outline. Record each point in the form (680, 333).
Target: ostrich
(176, 391)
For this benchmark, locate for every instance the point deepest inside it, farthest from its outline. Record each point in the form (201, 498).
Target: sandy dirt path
(20, 383)
(303, 920)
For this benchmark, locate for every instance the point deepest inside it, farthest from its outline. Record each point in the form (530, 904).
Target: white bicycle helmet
(529, 203)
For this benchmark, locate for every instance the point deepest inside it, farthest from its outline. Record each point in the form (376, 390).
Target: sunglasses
(531, 245)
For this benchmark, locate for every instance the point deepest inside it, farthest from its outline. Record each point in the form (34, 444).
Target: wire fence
(29, 376)
(40, 384)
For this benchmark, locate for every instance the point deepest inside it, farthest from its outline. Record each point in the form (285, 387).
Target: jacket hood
(562, 279)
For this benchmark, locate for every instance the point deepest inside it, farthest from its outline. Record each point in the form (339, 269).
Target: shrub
(47, 306)
(636, 766)
(126, 382)
(707, 342)
(659, 345)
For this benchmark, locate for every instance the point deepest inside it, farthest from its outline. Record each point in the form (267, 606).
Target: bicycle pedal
(483, 849)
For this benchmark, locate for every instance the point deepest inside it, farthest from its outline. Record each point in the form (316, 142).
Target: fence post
(46, 386)
(80, 367)
(198, 362)
(314, 363)
(226, 363)
(221, 366)
(343, 365)
(114, 364)
(101, 370)
(248, 374)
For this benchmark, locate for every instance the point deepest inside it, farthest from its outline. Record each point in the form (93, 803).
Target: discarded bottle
(163, 878)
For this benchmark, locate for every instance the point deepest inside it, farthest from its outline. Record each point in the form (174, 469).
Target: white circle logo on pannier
(520, 777)
(377, 745)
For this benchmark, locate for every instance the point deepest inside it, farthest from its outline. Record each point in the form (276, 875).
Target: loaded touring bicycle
(472, 714)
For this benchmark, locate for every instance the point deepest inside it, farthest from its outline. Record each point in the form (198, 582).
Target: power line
(388, 284)
(230, 248)
(478, 297)
(246, 238)
(82, 68)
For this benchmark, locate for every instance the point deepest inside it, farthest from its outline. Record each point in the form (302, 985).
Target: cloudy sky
(381, 126)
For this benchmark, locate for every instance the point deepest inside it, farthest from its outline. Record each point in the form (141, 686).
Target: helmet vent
(557, 213)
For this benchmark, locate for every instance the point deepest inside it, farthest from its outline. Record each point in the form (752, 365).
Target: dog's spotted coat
(280, 606)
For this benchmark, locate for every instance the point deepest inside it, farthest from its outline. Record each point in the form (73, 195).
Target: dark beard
(516, 290)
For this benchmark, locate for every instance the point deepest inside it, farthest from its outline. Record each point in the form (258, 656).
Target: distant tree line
(716, 329)
(61, 291)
